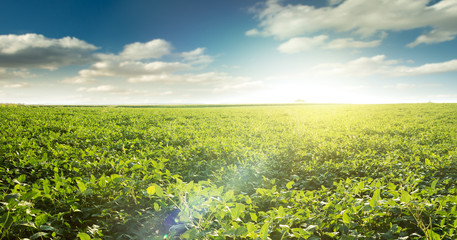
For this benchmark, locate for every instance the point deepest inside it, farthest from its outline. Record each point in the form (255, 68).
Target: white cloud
(101, 88)
(110, 89)
(433, 36)
(37, 51)
(197, 56)
(240, 86)
(16, 85)
(218, 77)
(429, 68)
(253, 32)
(132, 68)
(361, 67)
(379, 65)
(135, 64)
(351, 43)
(10, 74)
(361, 17)
(156, 48)
(78, 80)
(203, 78)
(137, 68)
(300, 44)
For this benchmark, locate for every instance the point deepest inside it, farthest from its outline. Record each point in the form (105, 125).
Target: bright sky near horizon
(238, 51)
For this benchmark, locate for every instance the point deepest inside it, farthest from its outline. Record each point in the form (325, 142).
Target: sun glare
(317, 94)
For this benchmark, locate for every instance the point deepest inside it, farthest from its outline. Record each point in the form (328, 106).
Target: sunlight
(318, 94)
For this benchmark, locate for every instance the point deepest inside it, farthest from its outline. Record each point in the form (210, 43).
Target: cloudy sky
(237, 51)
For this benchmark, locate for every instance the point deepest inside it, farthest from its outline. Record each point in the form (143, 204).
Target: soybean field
(229, 172)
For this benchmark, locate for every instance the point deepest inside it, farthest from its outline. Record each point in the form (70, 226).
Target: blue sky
(240, 51)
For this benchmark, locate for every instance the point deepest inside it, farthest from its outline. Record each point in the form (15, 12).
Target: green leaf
(427, 162)
(159, 190)
(253, 217)
(290, 184)
(39, 235)
(241, 231)
(248, 200)
(46, 188)
(376, 197)
(405, 197)
(281, 212)
(346, 218)
(433, 186)
(392, 186)
(299, 232)
(41, 219)
(81, 186)
(264, 231)
(102, 182)
(237, 211)
(27, 224)
(433, 235)
(228, 196)
(32, 194)
(10, 196)
(151, 189)
(361, 185)
(311, 228)
(6, 221)
(190, 234)
(251, 227)
(230, 233)
(21, 178)
(47, 228)
(83, 236)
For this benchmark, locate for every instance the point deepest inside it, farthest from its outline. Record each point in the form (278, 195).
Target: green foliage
(237, 172)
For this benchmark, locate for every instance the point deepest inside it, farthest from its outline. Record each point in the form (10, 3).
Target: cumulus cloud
(361, 67)
(78, 80)
(110, 68)
(37, 51)
(110, 89)
(156, 48)
(434, 36)
(209, 77)
(101, 88)
(249, 85)
(380, 65)
(363, 18)
(16, 85)
(351, 43)
(197, 56)
(429, 68)
(142, 62)
(11, 74)
(299, 44)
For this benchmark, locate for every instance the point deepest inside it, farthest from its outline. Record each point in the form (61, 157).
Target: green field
(234, 172)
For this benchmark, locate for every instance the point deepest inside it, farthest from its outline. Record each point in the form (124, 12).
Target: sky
(227, 52)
